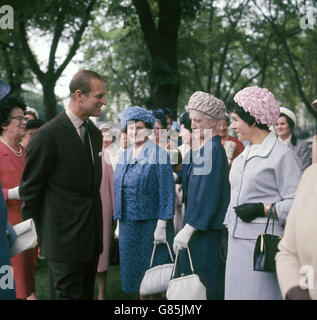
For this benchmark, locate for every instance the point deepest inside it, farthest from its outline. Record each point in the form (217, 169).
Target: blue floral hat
(4, 89)
(138, 114)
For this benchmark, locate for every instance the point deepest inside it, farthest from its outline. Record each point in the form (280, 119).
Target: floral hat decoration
(260, 103)
(138, 114)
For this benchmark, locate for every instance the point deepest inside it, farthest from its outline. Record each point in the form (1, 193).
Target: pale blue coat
(269, 174)
(303, 152)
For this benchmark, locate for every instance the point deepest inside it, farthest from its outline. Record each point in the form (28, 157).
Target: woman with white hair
(284, 129)
(206, 194)
(265, 173)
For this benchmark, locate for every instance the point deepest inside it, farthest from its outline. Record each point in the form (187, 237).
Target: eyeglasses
(20, 118)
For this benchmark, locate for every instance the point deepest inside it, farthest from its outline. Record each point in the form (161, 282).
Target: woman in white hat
(284, 129)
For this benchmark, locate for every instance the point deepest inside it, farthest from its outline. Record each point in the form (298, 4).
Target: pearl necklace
(17, 153)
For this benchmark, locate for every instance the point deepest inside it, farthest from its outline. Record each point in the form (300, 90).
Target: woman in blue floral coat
(144, 200)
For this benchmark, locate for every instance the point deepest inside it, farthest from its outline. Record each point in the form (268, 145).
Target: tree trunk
(162, 44)
(49, 99)
(164, 83)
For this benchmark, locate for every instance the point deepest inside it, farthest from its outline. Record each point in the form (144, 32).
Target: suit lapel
(95, 150)
(72, 134)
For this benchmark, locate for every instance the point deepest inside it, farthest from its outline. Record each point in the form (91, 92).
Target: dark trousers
(72, 280)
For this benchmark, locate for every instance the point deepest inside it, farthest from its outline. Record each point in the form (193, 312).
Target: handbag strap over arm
(271, 212)
(154, 248)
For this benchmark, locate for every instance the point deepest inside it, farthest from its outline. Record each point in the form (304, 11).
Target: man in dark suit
(60, 188)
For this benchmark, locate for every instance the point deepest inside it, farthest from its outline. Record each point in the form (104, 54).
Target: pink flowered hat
(260, 103)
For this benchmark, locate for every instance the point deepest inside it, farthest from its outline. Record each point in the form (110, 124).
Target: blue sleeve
(166, 190)
(208, 195)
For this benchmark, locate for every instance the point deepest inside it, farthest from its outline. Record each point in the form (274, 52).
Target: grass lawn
(113, 284)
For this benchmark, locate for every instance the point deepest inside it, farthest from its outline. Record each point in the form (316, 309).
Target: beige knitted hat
(314, 105)
(208, 104)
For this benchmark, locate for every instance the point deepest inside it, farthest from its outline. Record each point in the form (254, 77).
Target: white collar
(260, 150)
(77, 122)
(286, 141)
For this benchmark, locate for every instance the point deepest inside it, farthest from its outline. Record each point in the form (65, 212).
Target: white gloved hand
(116, 232)
(14, 193)
(160, 232)
(182, 238)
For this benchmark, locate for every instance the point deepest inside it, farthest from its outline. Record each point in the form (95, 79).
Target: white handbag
(26, 237)
(186, 287)
(156, 279)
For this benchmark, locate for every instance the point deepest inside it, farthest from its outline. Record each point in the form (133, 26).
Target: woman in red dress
(12, 159)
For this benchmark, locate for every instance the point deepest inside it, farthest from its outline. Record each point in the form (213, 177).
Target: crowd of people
(185, 184)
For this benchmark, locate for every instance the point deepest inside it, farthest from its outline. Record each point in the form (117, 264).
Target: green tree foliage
(141, 56)
(63, 21)
(157, 53)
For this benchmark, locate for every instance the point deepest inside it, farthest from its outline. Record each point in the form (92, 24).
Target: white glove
(116, 232)
(182, 238)
(14, 193)
(160, 232)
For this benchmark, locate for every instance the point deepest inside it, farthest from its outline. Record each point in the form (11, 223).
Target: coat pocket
(251, 230)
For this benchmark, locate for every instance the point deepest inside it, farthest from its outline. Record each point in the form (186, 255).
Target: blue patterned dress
(145, 192)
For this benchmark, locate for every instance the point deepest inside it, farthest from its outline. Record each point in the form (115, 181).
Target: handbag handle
(154, 248)
(271, 212)
(190, 262)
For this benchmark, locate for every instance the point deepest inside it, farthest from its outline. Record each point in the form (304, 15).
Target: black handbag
(266, 247)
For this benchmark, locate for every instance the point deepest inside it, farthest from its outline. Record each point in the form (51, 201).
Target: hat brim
(4, 89)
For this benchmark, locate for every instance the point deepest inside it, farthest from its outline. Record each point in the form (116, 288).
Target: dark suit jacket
(61, 190)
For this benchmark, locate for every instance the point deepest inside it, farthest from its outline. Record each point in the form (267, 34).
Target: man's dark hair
(160, 115)
(168, 112)
(81, 81)
(185, 120)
